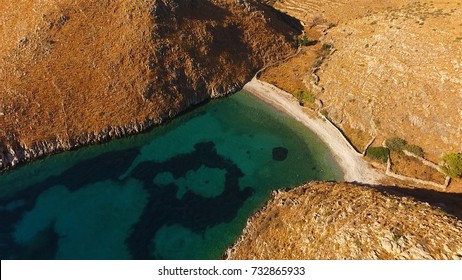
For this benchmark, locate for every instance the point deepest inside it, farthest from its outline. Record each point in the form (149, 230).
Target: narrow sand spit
(353, 165)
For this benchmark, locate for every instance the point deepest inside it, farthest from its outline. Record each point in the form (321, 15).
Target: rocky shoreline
(327, 220)
(66, 84)
(13, 155)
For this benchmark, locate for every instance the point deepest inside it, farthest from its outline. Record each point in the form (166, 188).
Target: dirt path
(352, 164)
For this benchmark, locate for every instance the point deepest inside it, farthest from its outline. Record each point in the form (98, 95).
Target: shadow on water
(107, 166)
(192, 211)
(183, 191)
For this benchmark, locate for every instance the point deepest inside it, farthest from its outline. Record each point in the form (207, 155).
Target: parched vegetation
(396, 144)
(399, 145)
(453, 165)
(304, 97)
(402, 228)
(414, 149)
(412, 167)
(305, 41)
(322, 54)
(369, 35)
(112, 67)
(378, 153)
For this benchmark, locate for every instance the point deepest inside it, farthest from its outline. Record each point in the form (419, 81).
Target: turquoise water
(182, 191)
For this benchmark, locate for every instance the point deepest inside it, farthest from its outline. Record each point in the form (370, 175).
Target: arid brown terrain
(383, 69)
(346, 221)
(74, 72)
(377, 70)
(398, 72)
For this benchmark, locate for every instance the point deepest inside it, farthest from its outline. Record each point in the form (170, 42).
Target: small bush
(324, 113)
(317, 20)
(396, 144)
(378, 153)
(414, 149)
(304, 96)
(327, 47)
(453, 166)
(304, 41)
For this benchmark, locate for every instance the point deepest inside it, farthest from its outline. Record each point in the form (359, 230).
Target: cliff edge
(75, 72)
(347, 221)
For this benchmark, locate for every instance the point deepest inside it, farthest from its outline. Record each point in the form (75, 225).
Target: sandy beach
(354, 167)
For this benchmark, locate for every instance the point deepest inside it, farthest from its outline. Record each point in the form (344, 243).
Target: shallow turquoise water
(181, 191)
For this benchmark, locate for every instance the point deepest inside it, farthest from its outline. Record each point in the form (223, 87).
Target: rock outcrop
(75, 72)
(395, 69)
(347, 221)
(398, 73)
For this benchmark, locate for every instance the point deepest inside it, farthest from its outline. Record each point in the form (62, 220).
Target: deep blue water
(181, 191)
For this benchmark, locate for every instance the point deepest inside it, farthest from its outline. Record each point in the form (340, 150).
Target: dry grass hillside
(383, 69)
(376, 69)
(332, 11)
(399, 73)
(346, 221)
(74, 72)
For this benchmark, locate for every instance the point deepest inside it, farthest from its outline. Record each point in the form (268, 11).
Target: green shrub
(453, 166)
(396, 144)
(414, 149)
(304, 41)
(378, 153)
(304, 96)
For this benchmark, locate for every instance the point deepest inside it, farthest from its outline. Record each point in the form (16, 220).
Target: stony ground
(74, 72)
(314, 12)
(399, 73)
(347, 221)
(393, 69)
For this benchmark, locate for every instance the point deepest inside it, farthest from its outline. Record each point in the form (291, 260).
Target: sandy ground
(355, 169)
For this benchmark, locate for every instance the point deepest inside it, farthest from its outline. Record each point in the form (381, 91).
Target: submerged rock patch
(280, 153)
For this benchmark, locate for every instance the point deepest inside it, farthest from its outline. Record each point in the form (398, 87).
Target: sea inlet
(181, 191)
